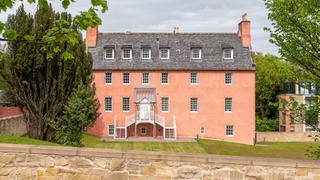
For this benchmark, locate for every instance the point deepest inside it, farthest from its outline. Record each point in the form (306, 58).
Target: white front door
(145, 110)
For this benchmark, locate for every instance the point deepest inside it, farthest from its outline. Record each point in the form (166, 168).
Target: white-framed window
(228, 78)
(125, 104)
(230, 130)
(126, 53)
(145, 53)
(227, 53)
(291, 128)
(196, 53)
(164, 53)
(193, 78)
(108, 104)
(110, 130)
(164, 104)
(202, 130)
(108, 78)
(125, 78)
(109, 53)
(228, 105)
(143, 130)
(164, 78)
(193, 104)
(145, 78)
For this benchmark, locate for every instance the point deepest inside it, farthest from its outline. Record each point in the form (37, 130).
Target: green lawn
(288, 150)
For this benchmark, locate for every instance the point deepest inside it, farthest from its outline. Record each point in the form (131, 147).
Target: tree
(269, 80)
(56, 34)
(79, 114)
(41, 85)
(296, 31)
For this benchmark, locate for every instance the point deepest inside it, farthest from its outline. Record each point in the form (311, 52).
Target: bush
(267, 124)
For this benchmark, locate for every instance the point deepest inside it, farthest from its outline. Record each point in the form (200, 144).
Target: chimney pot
(177, 29)
(244, 31)
(174, 30)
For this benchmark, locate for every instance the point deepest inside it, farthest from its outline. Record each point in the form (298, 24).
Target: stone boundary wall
(13, 126)
(285, 136)
(30, 162)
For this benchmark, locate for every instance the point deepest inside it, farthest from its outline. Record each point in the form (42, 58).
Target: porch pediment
(144, 95)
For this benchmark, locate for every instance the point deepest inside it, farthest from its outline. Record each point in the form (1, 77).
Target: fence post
(255, 137)
(197, 138)
(264, 140)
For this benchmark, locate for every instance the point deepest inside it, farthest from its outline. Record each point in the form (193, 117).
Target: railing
(149, 118)
(130, 119)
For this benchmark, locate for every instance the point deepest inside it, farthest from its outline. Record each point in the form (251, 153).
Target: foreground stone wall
(285, 136)
(13, 126)
(51, 163)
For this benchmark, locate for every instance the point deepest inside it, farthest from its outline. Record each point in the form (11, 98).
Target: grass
(288, 150)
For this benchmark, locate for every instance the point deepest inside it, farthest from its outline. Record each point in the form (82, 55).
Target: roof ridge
(147, 33)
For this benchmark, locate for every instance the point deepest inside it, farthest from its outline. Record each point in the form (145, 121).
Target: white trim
(129, 78)
(231, 104)
(225, 78)
(161, 78)
(232, 131)
(105, 104)
(161, 53)
(224, 54)
(123, 53)
(129, 104)
(105, 53)
(141, 130)
(203, 130)
(109, 129)
(199, 53)
(105, 79)
(168, 104)
(141, 53)
(197, 104)
(197, 78)
(142, 78)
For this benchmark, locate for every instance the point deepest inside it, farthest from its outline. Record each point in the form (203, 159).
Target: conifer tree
(40, 79)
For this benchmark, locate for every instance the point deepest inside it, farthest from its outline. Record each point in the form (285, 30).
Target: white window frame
(105, 53)
(141, 130)
(232, 131)
(197, 78)
(129, 78)
(123, 105)
(109, 130)
(167, 78)
(105, 78)
(122, 53)
(224, 53)
(105, 104)
(199, 53)
(162, 104)
(161, 53)
(203, 130)
(143, 76)
(141, 50)
(225, 78)
(197, 105)
(225, 104)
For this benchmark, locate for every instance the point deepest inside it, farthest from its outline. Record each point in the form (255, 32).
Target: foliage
(79, 114)
(269, 79)
(58, 33)
(266, 125)
(39, 84)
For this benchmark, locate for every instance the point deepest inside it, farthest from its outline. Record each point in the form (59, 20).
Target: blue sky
(163, 15)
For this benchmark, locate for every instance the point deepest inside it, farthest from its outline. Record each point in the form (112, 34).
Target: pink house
(175, 84)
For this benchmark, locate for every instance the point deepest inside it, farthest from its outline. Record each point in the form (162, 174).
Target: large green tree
(42, 80)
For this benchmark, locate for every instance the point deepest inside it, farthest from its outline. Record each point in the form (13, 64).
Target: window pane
(109, 78)
(292, 129)
(109, 53)
(125, 104)
(283, 118)
(202, 130)
(195, 53)
(143, 130)
(164, 78)
(194, 104)
(229, 131)
(228, 54)
(164, 53)
(145, 53)
(108, 104)
(165, 104)
(126, 53)
(145, 78)
(193, 78)
(111, 129)
(228, 104)
(126, 78)
(228, 78)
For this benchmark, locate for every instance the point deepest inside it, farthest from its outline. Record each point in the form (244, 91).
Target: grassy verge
(288, 150)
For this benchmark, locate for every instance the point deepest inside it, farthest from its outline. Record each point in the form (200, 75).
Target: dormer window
(126, 53)
(164, 53)
(196, 53)
(146, 53)
(227, 53)
(109, 53)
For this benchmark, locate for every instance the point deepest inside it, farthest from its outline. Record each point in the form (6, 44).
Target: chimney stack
(244, 31)
(174, 30)
(91, 36)
(177, 29)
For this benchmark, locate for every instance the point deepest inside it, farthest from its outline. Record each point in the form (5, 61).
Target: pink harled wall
(211, 92)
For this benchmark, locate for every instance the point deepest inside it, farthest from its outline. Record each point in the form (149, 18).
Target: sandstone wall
(51, 163)
(13, 126)
(285, 136)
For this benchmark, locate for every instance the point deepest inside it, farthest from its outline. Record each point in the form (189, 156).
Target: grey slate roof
(180, 45)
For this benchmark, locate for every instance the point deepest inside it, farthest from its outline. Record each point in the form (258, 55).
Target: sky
(214, 16)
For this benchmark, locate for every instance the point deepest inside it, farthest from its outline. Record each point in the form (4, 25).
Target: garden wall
(285, 136)
(13, 126)
(66, 163)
